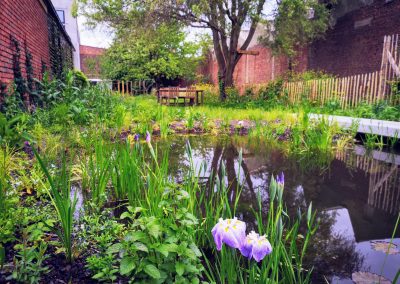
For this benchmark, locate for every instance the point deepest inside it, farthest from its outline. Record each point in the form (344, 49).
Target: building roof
(91, 50)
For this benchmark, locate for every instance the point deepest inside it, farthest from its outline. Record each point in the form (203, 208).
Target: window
(61, 15)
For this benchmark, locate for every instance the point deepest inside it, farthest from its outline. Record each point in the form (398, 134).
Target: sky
(103, 37)
(98, 37)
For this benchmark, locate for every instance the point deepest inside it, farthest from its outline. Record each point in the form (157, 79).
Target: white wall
(71, 26)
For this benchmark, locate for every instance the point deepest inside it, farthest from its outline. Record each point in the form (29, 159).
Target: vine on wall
(60, 50)
(29, 69)
(19, 80)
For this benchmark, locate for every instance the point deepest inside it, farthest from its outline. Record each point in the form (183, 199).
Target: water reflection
(357, 196)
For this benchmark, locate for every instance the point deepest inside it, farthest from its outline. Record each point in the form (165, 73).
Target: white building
(64, 11)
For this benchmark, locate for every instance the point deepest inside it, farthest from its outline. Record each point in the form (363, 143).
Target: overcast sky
(102, 37)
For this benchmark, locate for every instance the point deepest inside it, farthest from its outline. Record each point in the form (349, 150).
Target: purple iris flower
(137, 137)
(26, 143)
(148, 137)
(280, 179)
(255, 246)
(232, 232)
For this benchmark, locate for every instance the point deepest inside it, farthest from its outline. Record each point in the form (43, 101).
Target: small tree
(160, 53)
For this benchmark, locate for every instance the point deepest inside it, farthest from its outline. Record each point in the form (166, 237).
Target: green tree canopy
(160, 53)
(296, 23)
(224, 19)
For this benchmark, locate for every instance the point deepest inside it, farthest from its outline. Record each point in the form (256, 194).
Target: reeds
(60, 196)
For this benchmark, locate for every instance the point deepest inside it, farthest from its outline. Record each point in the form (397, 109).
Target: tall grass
(98, 169)
(126, 172)
(60, 195)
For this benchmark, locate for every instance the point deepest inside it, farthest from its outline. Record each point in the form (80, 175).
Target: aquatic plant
(232, 232)
(60, 195)
(255, 246)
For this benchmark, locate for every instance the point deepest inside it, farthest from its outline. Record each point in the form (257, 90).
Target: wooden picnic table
(190, 94)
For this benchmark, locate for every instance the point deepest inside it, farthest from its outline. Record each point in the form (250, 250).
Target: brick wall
(255, 69)
(354, 44)
(33, 24)
(26, 21)
(90, 60)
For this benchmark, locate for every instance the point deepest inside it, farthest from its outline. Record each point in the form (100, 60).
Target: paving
(364, 125)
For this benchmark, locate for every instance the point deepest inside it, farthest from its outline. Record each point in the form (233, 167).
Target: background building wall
(255, 69)
(354, 44)
(90, 61)
(71, 26)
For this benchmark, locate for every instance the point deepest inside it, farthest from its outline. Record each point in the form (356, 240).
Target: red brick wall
(255, 69)
(25, 20)
(347, 50)
(91, 56)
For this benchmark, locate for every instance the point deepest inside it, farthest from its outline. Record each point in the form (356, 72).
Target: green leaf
(152, 271)
(135, 236)
(154, 229)
(195, 249)
(180, 268)
(163, 249)
(127, 265)
(115, 248)
(141, 246)
(98, 275)
(125, 215)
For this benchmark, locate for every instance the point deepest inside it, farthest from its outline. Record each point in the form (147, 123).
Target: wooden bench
(176, 95)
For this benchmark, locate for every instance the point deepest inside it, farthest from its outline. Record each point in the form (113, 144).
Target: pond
(355, 192)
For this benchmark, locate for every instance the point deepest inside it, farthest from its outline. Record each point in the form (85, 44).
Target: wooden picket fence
(350, 91)
(133, 87)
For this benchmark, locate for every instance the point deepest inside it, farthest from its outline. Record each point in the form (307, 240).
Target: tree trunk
(225, 80)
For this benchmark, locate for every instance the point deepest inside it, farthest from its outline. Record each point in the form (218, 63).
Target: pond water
(356, 194)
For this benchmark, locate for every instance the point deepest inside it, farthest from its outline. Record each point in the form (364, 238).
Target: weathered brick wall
(255, 69)
(354, 45)
(26, 21)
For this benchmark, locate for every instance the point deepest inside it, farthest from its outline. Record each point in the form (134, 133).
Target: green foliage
(80, 79)
(160, 53)
(152, 248)
(296, 24)
(29, 259)
(11, 129)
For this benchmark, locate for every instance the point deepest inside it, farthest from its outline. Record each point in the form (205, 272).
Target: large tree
(225, 19)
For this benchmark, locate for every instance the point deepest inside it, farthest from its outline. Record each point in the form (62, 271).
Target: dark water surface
(356, 195)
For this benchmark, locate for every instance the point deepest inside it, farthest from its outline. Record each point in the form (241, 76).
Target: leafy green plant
(156, 248)
(104, 266)
(28, 262)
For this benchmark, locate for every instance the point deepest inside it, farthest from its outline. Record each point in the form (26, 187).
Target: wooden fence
(132, 87)
(384, 179)
(352, 90)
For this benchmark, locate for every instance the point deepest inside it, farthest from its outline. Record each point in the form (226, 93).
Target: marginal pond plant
(59, 193)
